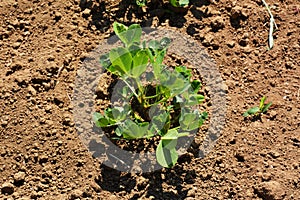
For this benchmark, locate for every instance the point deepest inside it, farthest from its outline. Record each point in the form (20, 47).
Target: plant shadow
(164, 183)
(253, 118)
(99, 17)
(156, 12)
(161, 184)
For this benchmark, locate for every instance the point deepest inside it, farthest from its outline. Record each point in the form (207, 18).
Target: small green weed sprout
(155, 99)
(141, 3)
(175, 3)
(256, 111)
(179, 3)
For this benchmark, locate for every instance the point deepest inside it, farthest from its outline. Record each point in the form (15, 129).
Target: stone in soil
(19, 177)
(32, 90)
(271, 190)
(86, 12)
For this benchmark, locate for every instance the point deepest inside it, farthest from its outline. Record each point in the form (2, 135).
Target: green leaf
(134, 33)
(157, 50)
(179, 3)
(177, 84)
(103, 122)
(151, 55)
(183, 134)
(100, 120)
(157, 70)
(154, 45)
(186, 73)
(189, 120)
(120, 113)
(166, 154)
(114, 70)
(125, 92)
(118, 131)
(202, 118)
(141, 3)
(121, 60)
(159, 121)
(108, 113)
(132, 130)
(140, 61)
(105, 61)
(195, 99)
(119, 28)
(266, 107)
(196, 85)
(96, 116)
(160, 56)
(262, 102)
(134, 48)
(251, 111)
(128, 35)
(204, 115)
(165, 42)
(200, 98)
(172, 134)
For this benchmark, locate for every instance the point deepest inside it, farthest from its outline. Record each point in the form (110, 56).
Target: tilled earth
(43, 44)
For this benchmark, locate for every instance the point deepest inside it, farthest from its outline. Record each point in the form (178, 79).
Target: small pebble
(19, 177)
(230, 44)
(86, 12)
(4, 123)
(32, 90)
(58, 16)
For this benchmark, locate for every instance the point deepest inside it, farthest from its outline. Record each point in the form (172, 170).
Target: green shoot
(256, 111)
(175, 3)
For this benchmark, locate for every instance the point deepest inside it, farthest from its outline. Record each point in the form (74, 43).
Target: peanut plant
(175, 3)
(156, 100)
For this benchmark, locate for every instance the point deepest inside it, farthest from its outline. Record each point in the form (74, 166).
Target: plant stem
(272, 24)
(151, 97)
(135, 94)
(269, 11)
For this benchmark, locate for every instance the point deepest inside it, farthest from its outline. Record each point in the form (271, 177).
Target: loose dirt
(43, 44)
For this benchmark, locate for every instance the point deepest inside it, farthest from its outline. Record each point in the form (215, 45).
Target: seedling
(154, 99)
(141, 3)
(272, 24)
(179, 3)
(256, 111)
(175, 3)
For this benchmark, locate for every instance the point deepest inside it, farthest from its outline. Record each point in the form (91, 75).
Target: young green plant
(154, 99)
(175, 3)
(256, 111)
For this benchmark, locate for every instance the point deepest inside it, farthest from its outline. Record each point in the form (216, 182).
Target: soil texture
(44, 43)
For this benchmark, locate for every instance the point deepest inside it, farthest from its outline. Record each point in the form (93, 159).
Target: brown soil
(43, 44)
